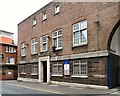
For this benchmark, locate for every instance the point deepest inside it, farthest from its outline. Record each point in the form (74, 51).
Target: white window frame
(82, 70)
(82, 27)
(10, 60)
(9, 49)
(34, 22)
(34, 69)
(44, 16)
(23, 49)
(57, 73)
(34, 44)
(57, 38)
(44, 43)
(57, 8)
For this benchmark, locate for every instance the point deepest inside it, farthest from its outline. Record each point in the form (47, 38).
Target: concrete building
(8, 56)
(71, 43)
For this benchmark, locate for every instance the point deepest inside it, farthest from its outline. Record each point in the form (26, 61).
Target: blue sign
(66, 62)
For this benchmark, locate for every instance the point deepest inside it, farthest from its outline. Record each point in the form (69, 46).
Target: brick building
(8, 56)
(71, 42)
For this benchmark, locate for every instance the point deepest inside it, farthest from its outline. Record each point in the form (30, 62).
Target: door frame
(41, 59)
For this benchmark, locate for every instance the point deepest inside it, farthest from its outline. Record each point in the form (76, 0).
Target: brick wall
(107, 14)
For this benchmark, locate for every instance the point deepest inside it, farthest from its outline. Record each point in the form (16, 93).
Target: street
(37, 89)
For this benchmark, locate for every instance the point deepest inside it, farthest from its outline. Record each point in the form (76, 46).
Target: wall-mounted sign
(67, 67)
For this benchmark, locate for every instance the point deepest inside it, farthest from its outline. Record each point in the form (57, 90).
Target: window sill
(57, 75)
(79, 76)
(23, 55)
(44, 20)
(34, 53)
(34, 74)
(23, 73)
(79, 45)
(56, 13)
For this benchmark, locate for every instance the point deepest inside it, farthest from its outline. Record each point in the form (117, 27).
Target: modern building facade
(71, 42)
(8, 56)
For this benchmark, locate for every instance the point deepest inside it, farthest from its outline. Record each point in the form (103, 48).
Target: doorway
(45, 71)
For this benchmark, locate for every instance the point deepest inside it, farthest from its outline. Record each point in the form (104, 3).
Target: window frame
(57, 73)
(10, 60)
(80, 30)
(34, 45)
(23, 47)
(80, 63)
(44, 16)
(57, 38)
(56, 10)
(42, 43)
(34, 22)
(34, 69)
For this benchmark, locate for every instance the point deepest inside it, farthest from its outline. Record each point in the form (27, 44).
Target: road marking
(51, 91)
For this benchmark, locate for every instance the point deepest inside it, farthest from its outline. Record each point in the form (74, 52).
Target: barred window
(80, 68)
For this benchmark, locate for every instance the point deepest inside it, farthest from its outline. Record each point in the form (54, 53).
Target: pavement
(58, 89)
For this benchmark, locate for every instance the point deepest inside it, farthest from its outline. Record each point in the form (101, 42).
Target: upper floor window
(80, 68)
(1, 56)
(80, 33)
(34, 22)
(57, 39)
(57, 8)
(9, 49)
(44, 43)
(34, 43)
(44, 16)
(9, 60)
(23, 49)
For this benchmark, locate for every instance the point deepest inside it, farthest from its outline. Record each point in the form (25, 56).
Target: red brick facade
(8, 53)
(101, 19)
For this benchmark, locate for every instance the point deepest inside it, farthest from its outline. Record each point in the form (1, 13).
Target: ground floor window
(35, 69)
(23, 67)
(80, 68)
(57, 68)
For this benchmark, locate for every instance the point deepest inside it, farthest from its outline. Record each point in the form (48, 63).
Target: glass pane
(76, 27)
(54, 34)
(44, 46)
(83, 24)
(60, 41)
(60, 32)
(76, 69)
(44, 39)
(76, 37)
(83, 36)
(55, 42)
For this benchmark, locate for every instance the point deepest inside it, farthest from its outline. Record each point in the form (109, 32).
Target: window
(1, 56)
(80, 68)
(35, 69)
(44, 16)
(44, 43)
(57, 8)
(57, 39)
(9, 60)
(9, 49)
(57, 68)
(23, 67)
(34, 22)
(23, 49)
(34, 46)
(80, 33)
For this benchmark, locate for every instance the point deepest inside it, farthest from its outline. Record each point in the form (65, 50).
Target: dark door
(45, 71)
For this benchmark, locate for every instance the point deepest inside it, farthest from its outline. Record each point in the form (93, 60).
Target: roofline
(6, 32)
(36, 12)
(8, 44)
